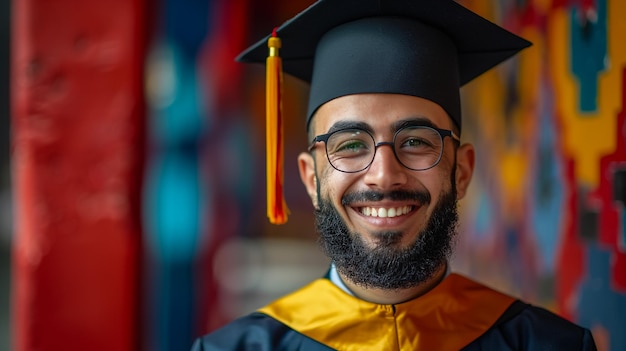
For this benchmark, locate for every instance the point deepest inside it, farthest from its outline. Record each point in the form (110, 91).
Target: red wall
(77, 129)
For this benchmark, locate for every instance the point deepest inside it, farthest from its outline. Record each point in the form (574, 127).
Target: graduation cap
(424, 48)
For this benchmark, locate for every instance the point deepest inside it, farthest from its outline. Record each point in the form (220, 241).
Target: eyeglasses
(352, 150)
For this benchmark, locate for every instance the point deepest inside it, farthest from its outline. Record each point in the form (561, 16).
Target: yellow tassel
(276, 206)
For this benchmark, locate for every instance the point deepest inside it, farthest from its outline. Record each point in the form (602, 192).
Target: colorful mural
(545, 219)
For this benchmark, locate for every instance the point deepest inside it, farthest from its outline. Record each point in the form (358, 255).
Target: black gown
(458, 314)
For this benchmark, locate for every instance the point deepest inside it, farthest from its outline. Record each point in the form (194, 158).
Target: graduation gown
(458, 314)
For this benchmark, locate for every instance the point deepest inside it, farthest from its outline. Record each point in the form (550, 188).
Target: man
(384, 171)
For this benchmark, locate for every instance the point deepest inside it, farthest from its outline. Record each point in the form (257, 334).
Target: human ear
(306, 166)
(465, 159)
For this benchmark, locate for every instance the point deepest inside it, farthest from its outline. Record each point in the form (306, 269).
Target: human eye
(416, 144)
(418, 140)
(351, 147)
(349, 144)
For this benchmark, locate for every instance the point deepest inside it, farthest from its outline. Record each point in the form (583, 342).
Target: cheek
(443, 174)
(324, 178)
(436, 181)
(333, 184)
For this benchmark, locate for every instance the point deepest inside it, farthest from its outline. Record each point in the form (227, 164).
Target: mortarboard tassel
(276, 206)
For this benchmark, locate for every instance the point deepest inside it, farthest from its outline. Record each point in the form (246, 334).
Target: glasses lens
(350, 150)
(418, 148)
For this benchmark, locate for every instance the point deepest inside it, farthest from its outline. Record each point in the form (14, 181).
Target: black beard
(387, 267)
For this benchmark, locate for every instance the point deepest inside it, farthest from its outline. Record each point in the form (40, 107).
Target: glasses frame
(443, 133)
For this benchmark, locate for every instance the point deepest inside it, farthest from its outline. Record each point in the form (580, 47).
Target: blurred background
(132, 207)
(5, 184)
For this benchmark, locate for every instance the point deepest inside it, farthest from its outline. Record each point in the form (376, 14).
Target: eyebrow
(418, 121)
(339, 125)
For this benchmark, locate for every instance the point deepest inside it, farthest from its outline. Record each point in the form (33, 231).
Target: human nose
(385, 171)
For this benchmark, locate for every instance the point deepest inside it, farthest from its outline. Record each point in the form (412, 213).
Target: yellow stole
(449, 317)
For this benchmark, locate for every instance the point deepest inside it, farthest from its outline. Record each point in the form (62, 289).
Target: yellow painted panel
(586, 137)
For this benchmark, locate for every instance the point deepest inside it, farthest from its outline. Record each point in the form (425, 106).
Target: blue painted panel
(588, 52)
(599, 304)
(548, 197)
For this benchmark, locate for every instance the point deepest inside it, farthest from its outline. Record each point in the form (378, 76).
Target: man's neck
(390, 297)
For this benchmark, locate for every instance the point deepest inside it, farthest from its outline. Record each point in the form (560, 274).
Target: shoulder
(527, 327)
(256, 331)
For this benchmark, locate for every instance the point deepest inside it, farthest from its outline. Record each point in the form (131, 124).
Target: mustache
(423, 197)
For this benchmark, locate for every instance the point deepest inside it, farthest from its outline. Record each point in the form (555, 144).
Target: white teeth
(385, 212)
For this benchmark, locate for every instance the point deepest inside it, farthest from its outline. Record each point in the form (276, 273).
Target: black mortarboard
(425, 48)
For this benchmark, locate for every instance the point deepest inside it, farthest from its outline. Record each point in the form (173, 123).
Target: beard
(387, 266)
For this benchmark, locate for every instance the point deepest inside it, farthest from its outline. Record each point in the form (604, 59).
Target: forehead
(380, 111)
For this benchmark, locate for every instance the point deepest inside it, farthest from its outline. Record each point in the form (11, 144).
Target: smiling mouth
(383, 212)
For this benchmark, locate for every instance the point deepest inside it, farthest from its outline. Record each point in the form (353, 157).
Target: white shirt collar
(336, 279)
